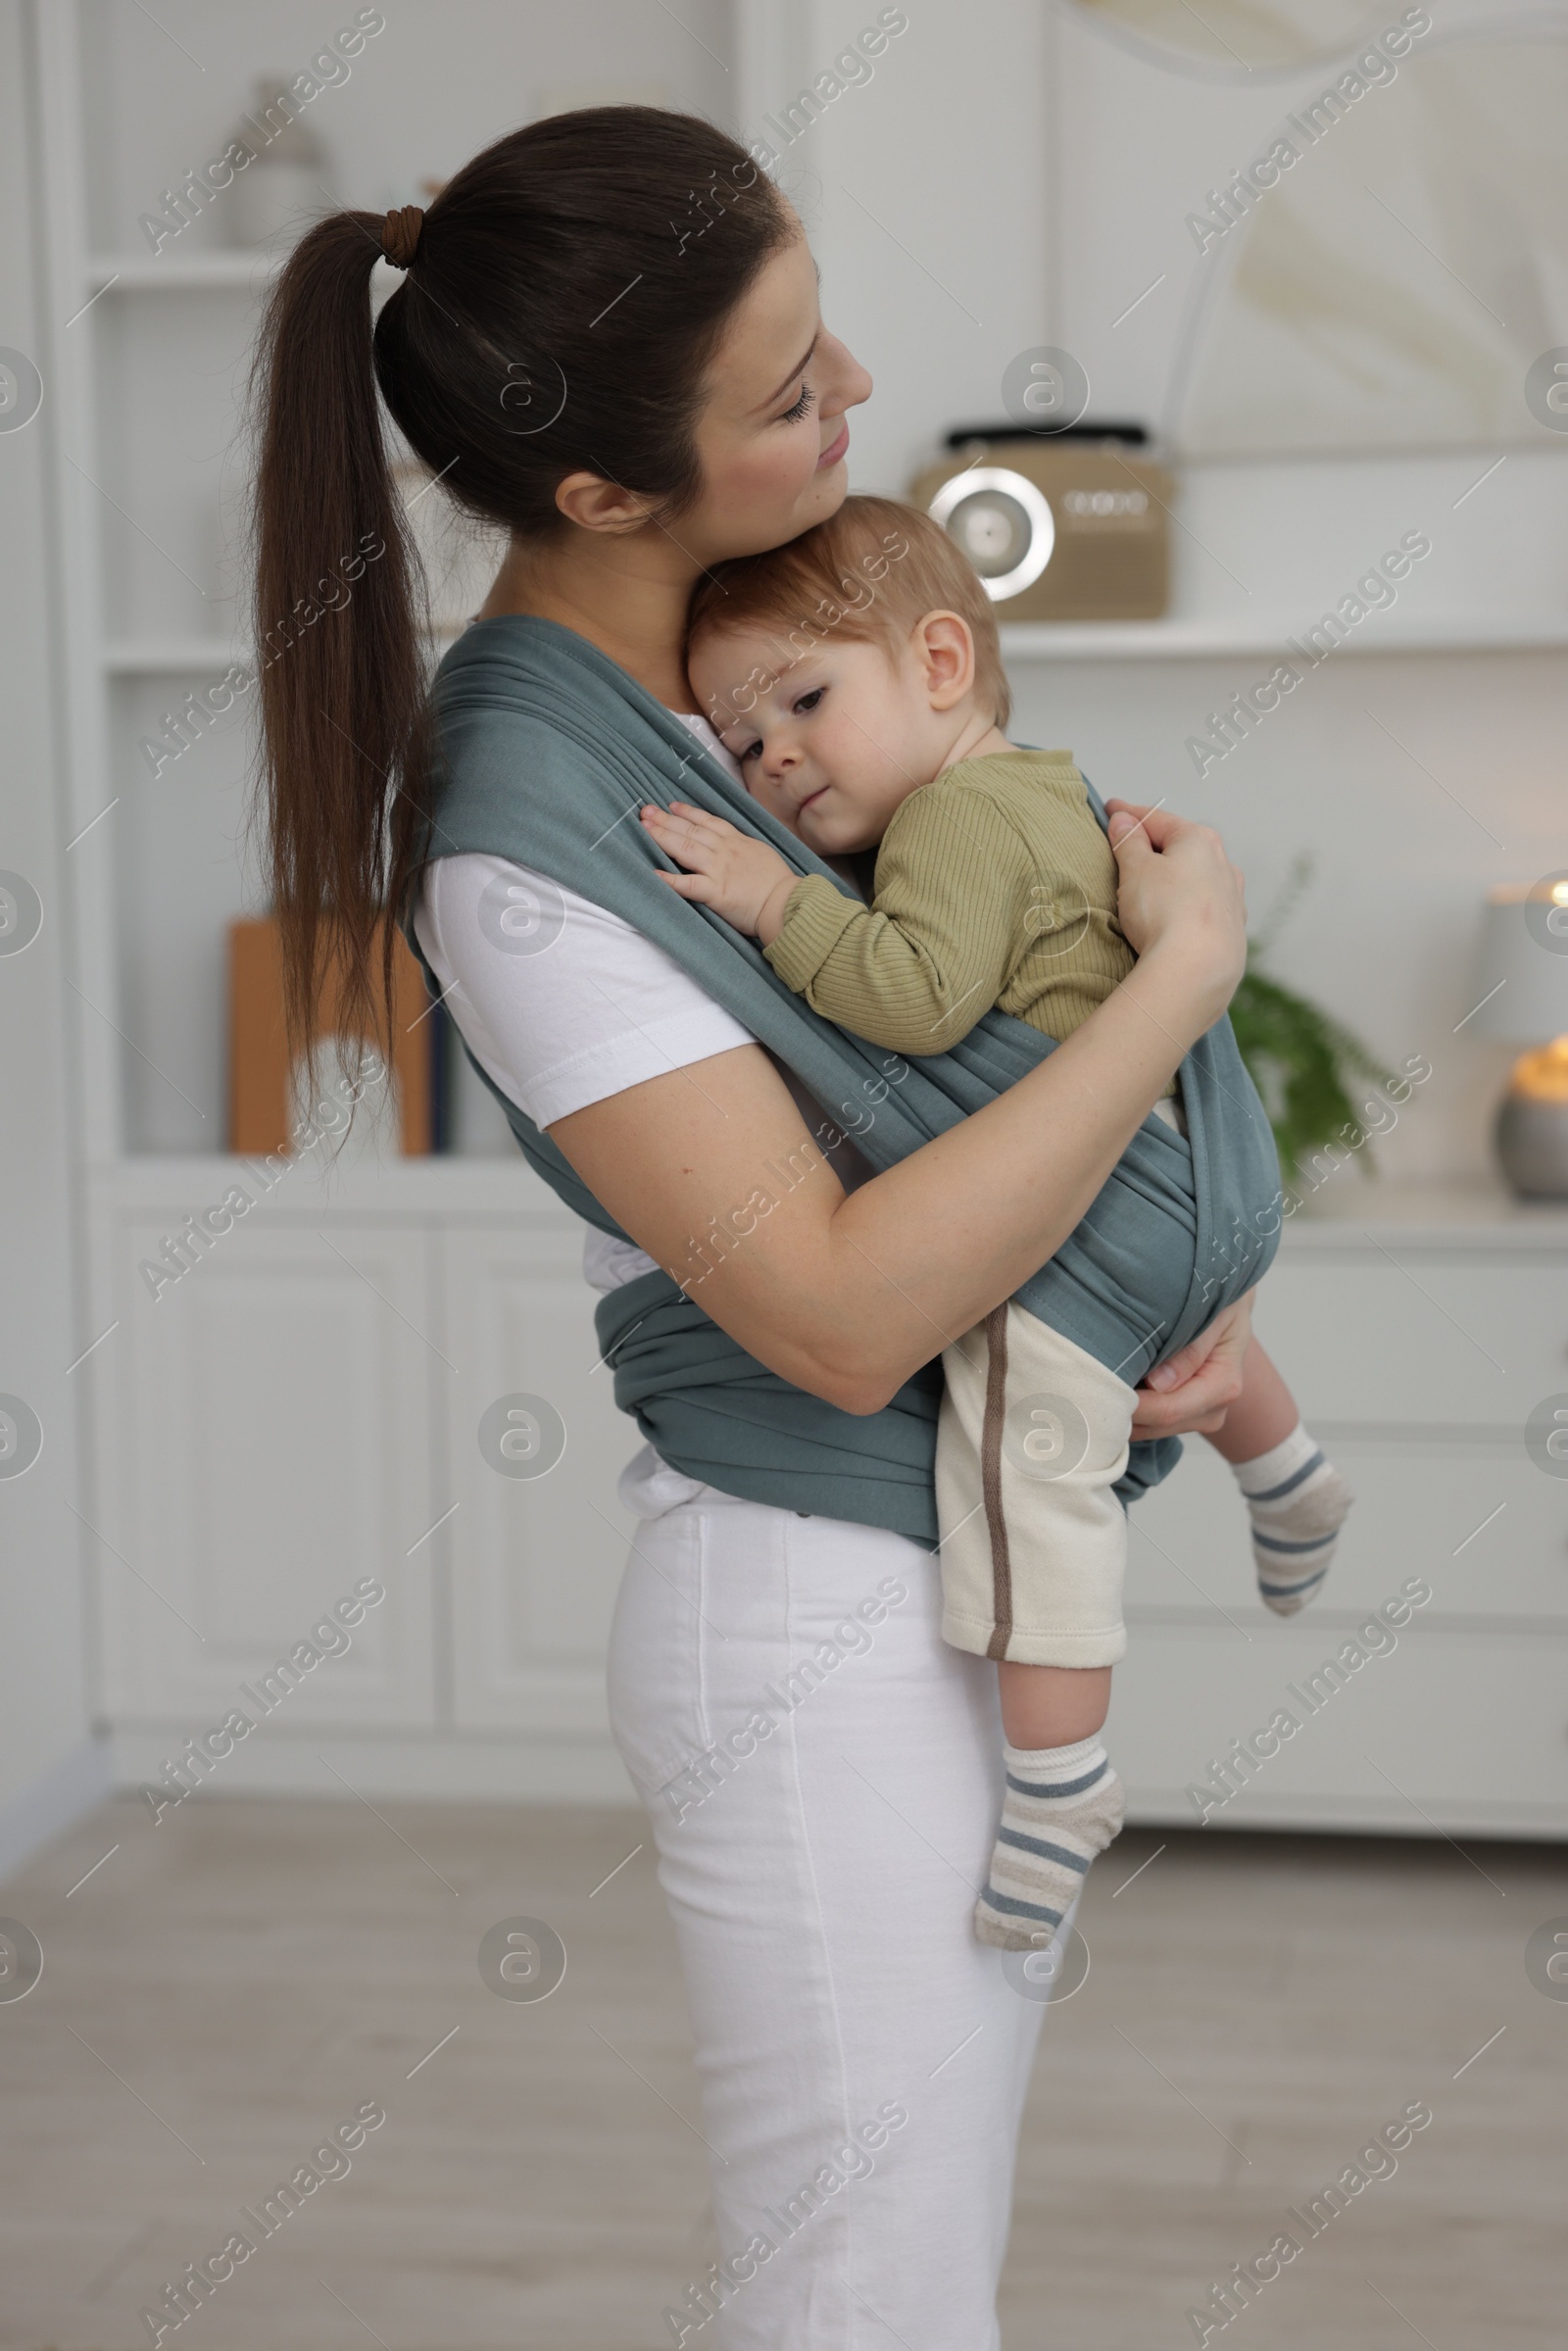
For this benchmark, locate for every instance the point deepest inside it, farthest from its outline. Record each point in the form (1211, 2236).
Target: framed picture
(1381, 259)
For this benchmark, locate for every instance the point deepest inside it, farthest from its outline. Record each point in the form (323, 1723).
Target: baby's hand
(741, 879)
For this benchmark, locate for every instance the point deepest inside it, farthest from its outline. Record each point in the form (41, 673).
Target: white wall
(1385, 937)
(425, 95)
(48, 1766)
(923, 190)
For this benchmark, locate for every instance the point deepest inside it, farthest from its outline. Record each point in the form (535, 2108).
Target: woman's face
(774, 435)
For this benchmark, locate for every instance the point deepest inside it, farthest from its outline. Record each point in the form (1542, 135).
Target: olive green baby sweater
(995, 886)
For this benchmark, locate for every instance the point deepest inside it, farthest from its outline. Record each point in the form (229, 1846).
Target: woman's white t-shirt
(563, 1004)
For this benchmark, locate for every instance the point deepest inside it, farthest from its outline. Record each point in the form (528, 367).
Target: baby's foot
(1298, 1503)
(1063, 1806)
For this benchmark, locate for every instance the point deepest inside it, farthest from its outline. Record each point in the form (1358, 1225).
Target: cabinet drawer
(1486, 1528)
(1417, 1338)
(1448, 1732)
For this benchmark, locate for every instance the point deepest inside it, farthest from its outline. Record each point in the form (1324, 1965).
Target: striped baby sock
(1063, 1806)
(1298, 1503)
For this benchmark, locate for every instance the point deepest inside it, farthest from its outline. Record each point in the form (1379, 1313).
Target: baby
(995, 886)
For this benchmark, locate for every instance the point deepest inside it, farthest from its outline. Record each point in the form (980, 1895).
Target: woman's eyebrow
(794, 372)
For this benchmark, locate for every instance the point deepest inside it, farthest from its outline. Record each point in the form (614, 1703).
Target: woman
(609, 342)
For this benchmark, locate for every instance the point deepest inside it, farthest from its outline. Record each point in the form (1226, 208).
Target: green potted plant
(1303, 1062)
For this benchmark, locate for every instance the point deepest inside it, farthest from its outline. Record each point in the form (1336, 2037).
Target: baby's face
(832, 746)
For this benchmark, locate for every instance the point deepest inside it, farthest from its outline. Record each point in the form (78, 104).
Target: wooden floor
(229, 1987)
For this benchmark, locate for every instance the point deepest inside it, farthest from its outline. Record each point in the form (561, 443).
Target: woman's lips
(834, 449)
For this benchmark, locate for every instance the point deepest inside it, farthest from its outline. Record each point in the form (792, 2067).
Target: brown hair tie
(399, 238)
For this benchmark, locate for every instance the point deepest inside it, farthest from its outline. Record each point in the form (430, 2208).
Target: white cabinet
(1418, 1348)
(394, 1375)
(535, 1445)
(272, 1439)
(293, 1417)
(1476, 1518)
(322, 1401)
(1419, 1335)
(1440, 1733)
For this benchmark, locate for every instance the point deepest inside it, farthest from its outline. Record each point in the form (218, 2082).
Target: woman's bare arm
(846, 1296)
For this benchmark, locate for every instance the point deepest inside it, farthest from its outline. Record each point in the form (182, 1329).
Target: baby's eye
(809, 701)
(750, 753)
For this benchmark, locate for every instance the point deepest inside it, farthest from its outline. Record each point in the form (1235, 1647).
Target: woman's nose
(847, 381)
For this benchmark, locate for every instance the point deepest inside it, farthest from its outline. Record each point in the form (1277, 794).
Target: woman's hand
(1191, 1392)
(743, 880)
(1179, 888)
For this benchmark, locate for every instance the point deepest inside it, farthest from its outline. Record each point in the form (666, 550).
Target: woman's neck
(626, 595)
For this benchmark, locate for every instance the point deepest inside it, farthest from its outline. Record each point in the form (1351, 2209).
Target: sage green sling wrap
(547, 750)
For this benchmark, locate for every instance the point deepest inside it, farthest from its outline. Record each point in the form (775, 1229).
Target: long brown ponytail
(565, 293)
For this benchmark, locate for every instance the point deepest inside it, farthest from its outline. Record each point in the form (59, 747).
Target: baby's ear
(945, 646)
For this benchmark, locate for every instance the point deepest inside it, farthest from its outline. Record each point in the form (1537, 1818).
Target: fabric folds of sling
(547, 750)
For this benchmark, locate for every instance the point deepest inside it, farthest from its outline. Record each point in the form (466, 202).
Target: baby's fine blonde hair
(864, 576)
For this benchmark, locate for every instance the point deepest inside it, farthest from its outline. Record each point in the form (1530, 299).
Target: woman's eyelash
(793, 415)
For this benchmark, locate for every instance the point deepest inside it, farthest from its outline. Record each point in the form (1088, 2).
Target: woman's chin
(825, 496)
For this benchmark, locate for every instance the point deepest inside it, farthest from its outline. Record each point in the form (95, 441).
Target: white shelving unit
(300, 1409)
(174, 656)
(1178, 639)
(177, 273)
(242, 273)
(180, 657)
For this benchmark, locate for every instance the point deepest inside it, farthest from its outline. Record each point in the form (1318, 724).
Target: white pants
(823, 1774)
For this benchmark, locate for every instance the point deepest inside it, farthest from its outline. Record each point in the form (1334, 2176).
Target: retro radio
(1069, 526)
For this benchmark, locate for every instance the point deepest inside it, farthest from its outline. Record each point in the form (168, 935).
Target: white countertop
(1350, 1207)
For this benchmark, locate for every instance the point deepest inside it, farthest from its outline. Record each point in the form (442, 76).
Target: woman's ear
(944, 646)
(594, 504)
